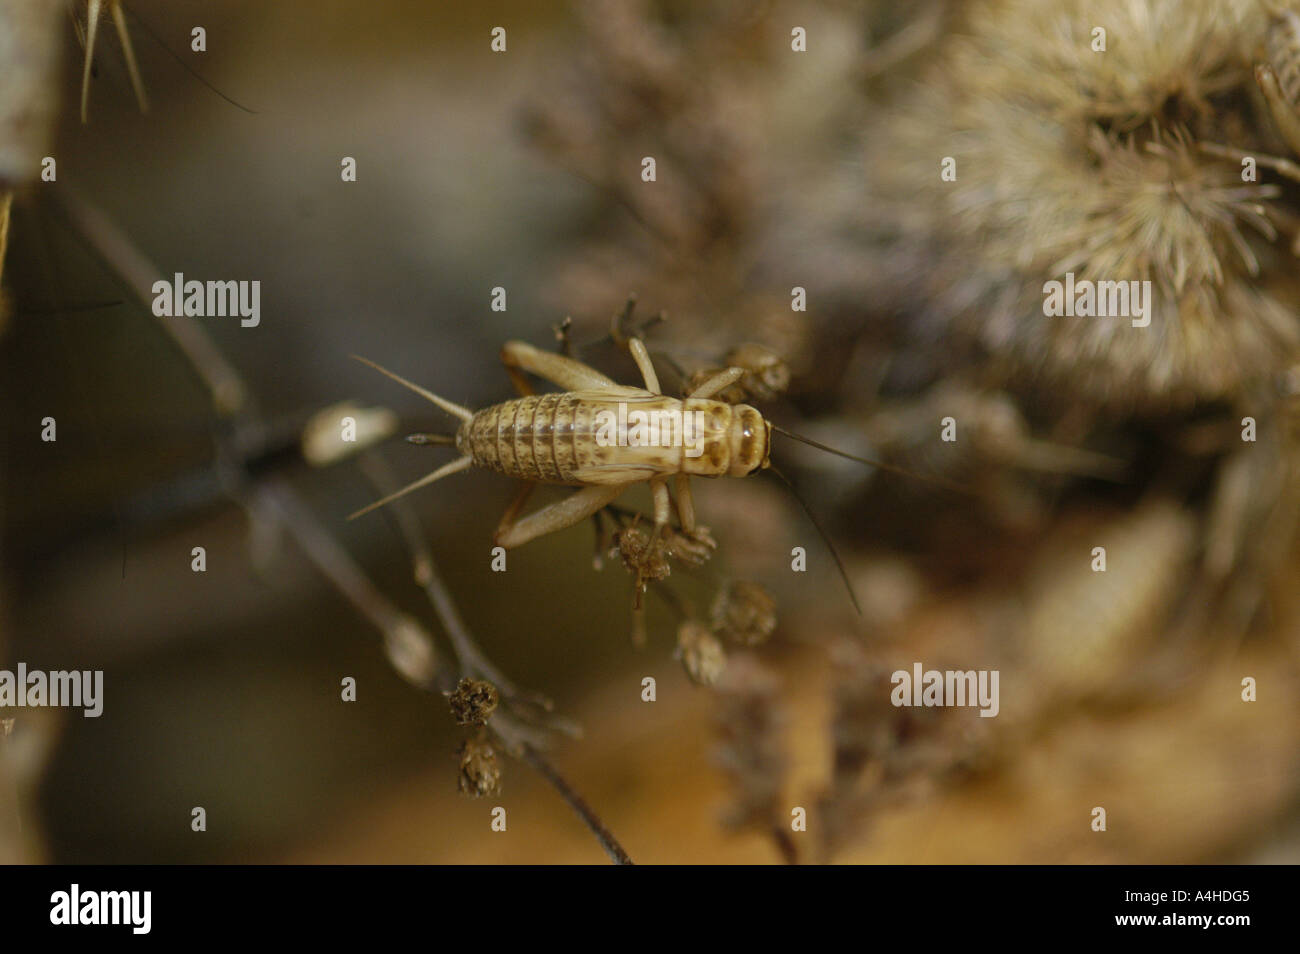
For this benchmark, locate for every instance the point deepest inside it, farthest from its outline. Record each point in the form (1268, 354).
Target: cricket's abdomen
(573, 437)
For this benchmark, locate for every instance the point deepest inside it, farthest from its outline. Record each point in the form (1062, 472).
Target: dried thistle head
(1069, 159)
(480, 772)
(473, 701)
(744, 612)
(701, 653)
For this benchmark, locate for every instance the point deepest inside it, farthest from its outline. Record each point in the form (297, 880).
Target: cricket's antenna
(174, 55)
(455, 467)
(461, 412)
(839, 564)
(939, 481)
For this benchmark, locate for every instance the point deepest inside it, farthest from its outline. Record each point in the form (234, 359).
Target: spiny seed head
(744, 612)
(473, 702)
(480, 773)
(701, 653)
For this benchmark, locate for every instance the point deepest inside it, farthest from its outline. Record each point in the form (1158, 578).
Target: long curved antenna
(461, 412)
(839, 564)
(185, 66)
(940, 481)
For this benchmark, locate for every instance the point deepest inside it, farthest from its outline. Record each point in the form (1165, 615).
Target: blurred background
(775, 169)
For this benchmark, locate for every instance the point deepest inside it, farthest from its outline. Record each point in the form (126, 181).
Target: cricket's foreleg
(643, 363)
(556, 516)
(663, 507)
(718, 383)
(697, 544)
(566, 373)
(685, 503)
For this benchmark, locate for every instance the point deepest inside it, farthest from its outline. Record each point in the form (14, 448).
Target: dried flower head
(649, 563)
(767, 376)
(480, 773)
(1071, 160)
(701, 653)
(744, 612)
(473, 701)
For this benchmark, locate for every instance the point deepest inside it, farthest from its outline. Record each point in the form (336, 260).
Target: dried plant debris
(480, 771)
(882, 754)
(744, 613)
(29, 49)
(751, 750)
(1072, 160)
(702, 654)
(473, 701)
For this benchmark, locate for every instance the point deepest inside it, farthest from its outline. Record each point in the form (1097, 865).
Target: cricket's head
(751, 441)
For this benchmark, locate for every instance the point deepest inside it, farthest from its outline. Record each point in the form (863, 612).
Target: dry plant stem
(519, 740)
(6, 202)
(229, 396)
(226, 387)
(577, 803)
(330, 558)
(473, 662)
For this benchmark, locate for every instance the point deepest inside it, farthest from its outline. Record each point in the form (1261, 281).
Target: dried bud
(473, 702)
(766, 375)
(745, 613)
(411, 652)
(341, 430)
(650, 564)
(701, 653)
(480, 775)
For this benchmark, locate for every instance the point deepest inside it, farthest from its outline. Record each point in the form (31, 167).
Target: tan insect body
(567, 438)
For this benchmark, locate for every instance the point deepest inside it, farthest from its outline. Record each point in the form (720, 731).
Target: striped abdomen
(593, 437)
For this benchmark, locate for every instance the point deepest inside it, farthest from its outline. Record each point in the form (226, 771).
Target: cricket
(554, 438)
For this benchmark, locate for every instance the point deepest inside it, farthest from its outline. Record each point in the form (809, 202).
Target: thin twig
(518, 739)
(230, 396)
(225, 386)
(548, 771)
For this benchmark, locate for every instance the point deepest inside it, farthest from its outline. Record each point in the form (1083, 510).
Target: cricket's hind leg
(515, 531)
(567, 373)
